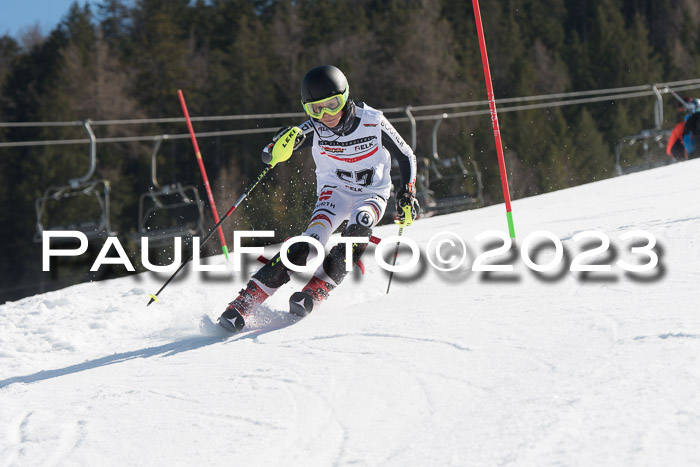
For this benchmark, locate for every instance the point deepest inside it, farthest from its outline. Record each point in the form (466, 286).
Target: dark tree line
(126, 60)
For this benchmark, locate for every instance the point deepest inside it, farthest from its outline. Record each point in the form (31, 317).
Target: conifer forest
(118, 65)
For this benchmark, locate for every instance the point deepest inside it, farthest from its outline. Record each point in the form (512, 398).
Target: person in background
(691, 130)
(681, 143)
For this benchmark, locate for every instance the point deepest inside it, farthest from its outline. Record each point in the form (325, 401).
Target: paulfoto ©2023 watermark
(445, 251)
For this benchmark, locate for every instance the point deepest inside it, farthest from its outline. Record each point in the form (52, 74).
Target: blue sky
(18, 14)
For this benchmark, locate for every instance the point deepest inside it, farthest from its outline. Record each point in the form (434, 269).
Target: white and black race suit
(352, 170)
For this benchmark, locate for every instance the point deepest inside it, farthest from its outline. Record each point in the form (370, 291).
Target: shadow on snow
(265, 322)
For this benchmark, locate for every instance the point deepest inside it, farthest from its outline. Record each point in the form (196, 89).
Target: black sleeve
(692, 125)
(399, 150)
(308, 130)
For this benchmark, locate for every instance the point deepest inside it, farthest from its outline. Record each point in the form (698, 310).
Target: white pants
(337, 205)
(332, 208)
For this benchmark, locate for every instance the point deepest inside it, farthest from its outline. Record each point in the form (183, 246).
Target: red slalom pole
(203, 171)
(494, 116)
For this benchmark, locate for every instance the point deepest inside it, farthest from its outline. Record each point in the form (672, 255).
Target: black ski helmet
(322, 82)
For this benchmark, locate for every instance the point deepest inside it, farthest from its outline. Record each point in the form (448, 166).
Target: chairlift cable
(615, 93)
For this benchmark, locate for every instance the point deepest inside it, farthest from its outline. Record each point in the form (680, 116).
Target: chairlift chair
(438, 173)
(168, 211)
(89, 202)
(653, 142)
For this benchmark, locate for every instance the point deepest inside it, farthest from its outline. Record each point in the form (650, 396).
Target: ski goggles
(330, 105)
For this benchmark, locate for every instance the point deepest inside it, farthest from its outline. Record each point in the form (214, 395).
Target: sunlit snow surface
(456, 368)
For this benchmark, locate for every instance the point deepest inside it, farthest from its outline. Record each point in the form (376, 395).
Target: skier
(352, 145)
(675, 147)
(691, 131)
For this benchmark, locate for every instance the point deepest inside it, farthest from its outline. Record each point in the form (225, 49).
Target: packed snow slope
(458, 368)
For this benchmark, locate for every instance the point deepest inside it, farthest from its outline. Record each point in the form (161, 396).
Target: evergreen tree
(607, 34)
(590, 158)
(115, 22)
(160, 62)
(577, 56)
(286, 33)
(9, 50)
(544, 21)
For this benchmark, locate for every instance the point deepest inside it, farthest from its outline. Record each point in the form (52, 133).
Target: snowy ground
(460, 368)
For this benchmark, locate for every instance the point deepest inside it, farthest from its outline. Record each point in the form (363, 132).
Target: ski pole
(154, 297)
(407, 220)
(202, 170)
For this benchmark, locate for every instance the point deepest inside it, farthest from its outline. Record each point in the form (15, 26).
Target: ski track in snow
(456, 368)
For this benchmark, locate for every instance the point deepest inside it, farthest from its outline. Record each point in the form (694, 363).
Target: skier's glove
(406, 197)
(284, 143)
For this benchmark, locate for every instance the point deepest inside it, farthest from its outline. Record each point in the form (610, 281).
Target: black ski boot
(233, 319)
(302, 303)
